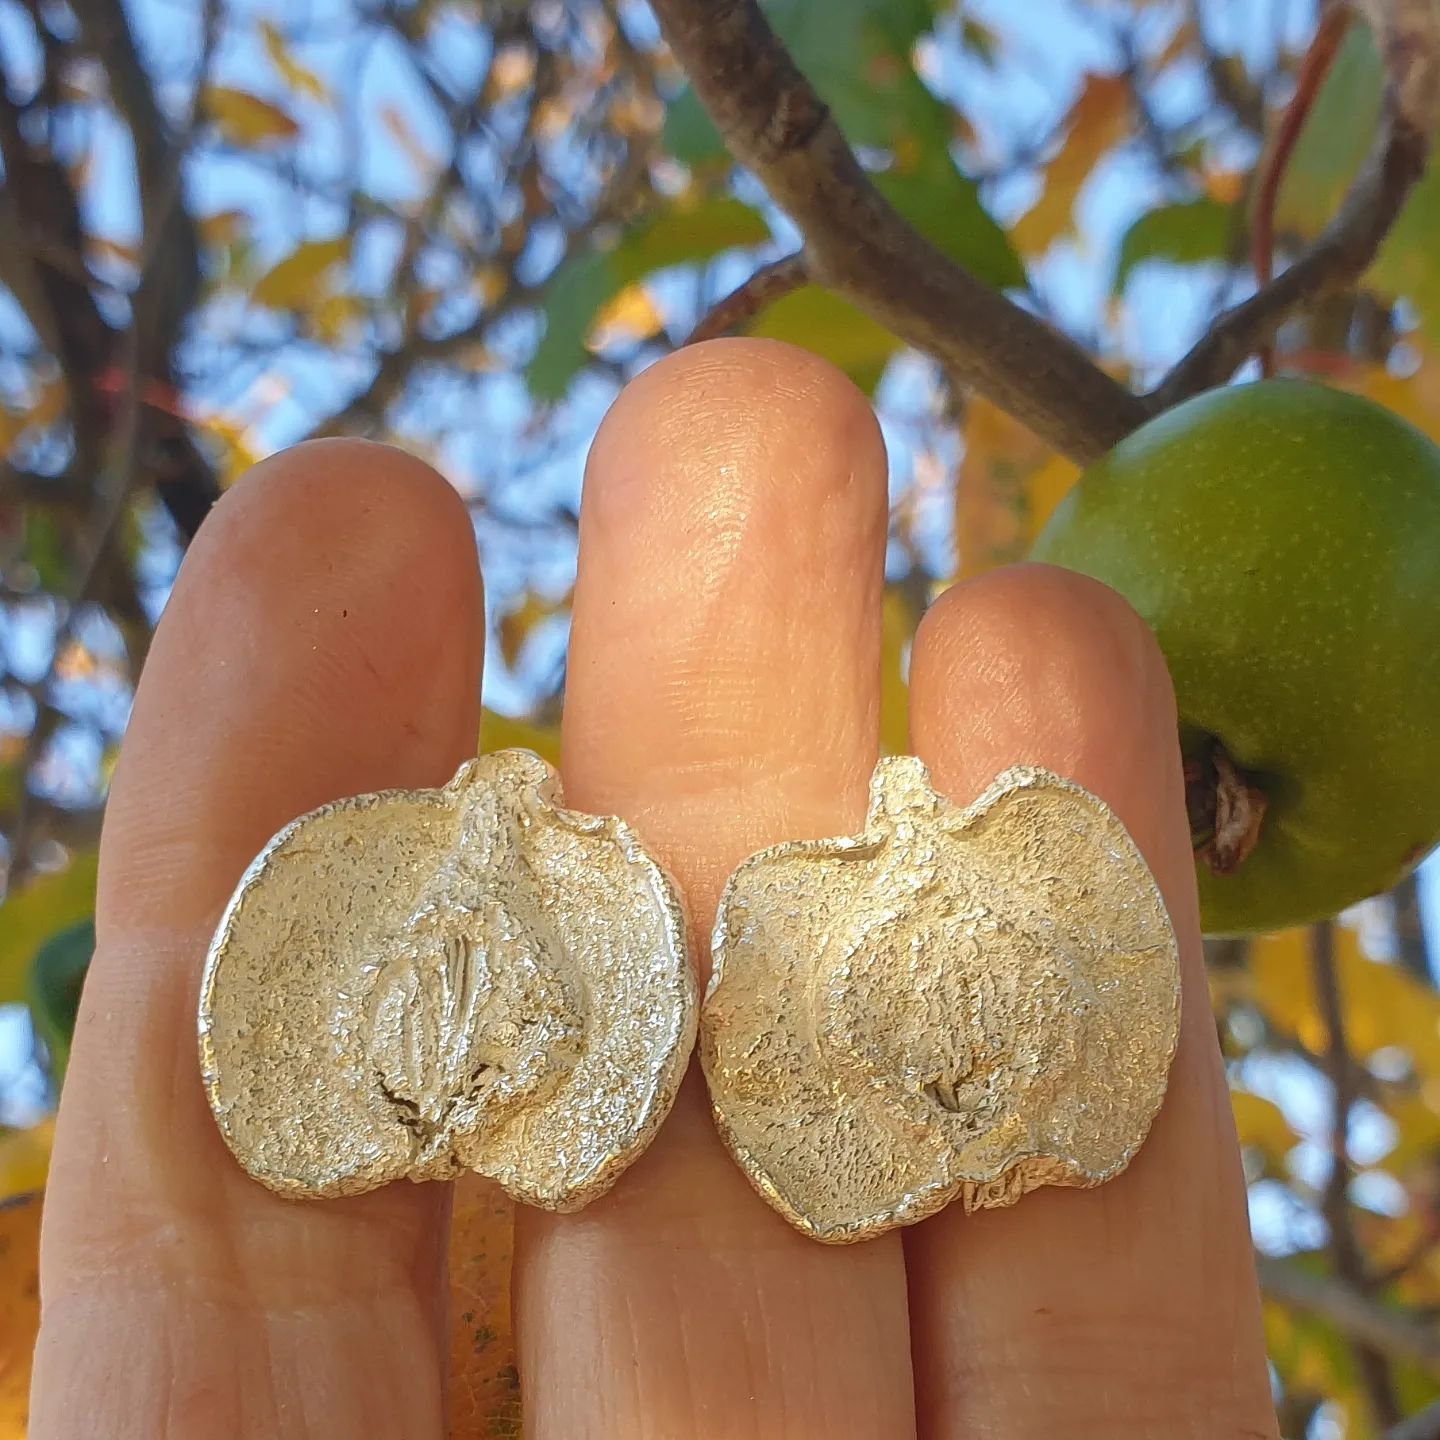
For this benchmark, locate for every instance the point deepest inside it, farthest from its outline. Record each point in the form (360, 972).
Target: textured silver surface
(416, 983)
(954, 1004)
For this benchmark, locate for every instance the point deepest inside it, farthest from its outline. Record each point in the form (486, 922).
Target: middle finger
(723, 696)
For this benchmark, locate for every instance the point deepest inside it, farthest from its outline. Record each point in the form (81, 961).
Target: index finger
(323, 639)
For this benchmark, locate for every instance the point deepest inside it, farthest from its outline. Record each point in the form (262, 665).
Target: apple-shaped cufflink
(952, 1004)
(416, 983)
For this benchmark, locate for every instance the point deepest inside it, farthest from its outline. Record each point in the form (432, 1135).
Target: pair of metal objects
(953, 1004)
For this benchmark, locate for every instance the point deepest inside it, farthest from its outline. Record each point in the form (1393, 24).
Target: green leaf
(56, 978)
(821, 321)
(1328, 156)
(1406, 264)
(1185, 234)
(48, 904)
(685, 233)
(690, 134)
(857, 55)
(944, 206)
(46, 550)
(574, 297)
(1337, 134)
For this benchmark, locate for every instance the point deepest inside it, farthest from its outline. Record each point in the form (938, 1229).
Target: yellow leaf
(223, 228)
(1383, 1005)
(334, 317)
(1047, 487)
(516, 625)
(898, 622)
(478, 357)
(246, 119)
(511, 71)
(1226, 186)
(489, 283)
(1099, 119)
(1417, 1134)
(238, 448)
(1009, 483)
(290, 284)
(553, 116)
(1414, 397)
(50, 406)
(1178, 46)
(484, 1388)
(102, 249)
(295, 75)
(1261, 1123)
(19, 1309)
(507, 732)
(1296, 1346)
(636, 113)
(631, 315)
(1281, 987)
(25, 1159)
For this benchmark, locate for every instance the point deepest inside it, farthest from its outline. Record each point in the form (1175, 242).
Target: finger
(722, 696)
(1130, 1309)
(323, 639)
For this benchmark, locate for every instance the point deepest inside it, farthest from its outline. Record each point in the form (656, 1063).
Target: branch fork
(855, 243)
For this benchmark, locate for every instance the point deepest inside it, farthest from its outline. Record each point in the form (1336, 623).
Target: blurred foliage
(461, 225)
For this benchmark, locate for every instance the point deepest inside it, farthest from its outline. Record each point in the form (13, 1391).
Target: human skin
(325, 638)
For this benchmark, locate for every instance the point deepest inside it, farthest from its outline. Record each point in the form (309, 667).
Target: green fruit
(1283, 542)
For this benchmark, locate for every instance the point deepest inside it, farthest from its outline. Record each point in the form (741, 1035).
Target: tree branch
(1244, 100)
(168, 284)
(1410, 938)
(1353, 1314)
(857, 245)
(1424, 1426)
(1345, 1251)
(1409, 35)
(1313, 69)
(767, 285)
(46, 264)
(25, 487)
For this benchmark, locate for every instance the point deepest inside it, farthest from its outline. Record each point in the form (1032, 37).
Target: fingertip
(1037, 665)
(323, 638)
(727, 603)
(337, 493)
(724, 403)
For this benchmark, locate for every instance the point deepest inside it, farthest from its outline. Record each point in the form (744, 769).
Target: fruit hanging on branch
(1283, 541)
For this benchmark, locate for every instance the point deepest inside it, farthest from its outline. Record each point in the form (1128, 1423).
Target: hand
(324, 638)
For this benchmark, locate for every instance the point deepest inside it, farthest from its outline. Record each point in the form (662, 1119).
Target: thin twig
(1244, 100)
(116, 481)
(1348, 245)
(1410, 937)
(856, 243)
(1345, 1251)
(1423, 1426)
(1313, 70)
(1354, 1315)
(767, 285)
